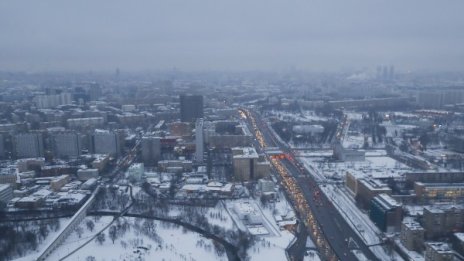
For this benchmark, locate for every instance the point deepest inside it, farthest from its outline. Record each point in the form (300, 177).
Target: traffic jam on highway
(295, 193)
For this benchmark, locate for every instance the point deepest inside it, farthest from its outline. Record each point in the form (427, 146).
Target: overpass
(70, 226)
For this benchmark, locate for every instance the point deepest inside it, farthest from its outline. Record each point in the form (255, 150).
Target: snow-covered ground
(308, 116)
(353, 142)
(44, 243)
(373, 166)
(157, 241)
(270, 245)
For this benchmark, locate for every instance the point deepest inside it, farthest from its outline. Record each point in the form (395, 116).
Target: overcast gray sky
(83, 35)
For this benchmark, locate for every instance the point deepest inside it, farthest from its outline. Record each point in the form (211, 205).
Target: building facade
(191, 107)
(29, 145)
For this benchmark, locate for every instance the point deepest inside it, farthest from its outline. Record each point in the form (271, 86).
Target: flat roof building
(438, 251)
(386, 213)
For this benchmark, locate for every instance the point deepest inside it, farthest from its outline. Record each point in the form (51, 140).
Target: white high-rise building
(199, 141)
(135, 171)
(106, 142)
(29, 145)
(50, 101)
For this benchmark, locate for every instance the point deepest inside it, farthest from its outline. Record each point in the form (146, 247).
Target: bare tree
(113, 233)
(79, 231)
(90, 225)
(100, 238)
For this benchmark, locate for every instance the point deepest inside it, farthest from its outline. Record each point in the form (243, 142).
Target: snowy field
(374, 166)
(142, 240)
(272, 244)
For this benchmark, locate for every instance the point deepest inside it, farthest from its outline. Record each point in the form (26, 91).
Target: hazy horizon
(239, 35)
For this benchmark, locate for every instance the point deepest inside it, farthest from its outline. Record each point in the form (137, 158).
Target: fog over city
(240, 130)
(240, 35)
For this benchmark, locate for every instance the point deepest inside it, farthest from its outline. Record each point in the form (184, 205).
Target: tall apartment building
(54, 100)
(199, 141)
(106, 142)
(66, 144)
(191, 107)
(29, 145)
(151, 150)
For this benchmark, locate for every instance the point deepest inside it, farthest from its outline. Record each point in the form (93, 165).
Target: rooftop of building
(387, 201)
(459, 236)
(374, 184)
(440, 247)
(438, 209)
(411, 224)
(245, 152)
(4, 186)
(441, 185)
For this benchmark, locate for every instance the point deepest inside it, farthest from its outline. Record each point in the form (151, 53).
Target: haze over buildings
(234, 35)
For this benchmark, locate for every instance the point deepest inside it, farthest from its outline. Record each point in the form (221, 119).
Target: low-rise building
(438, 251)
(368, 189)
(86, 174)
(344, 154)
(412, 235)
(439, 190)
(439, 222)
(100, 162)
(183, 165)
(58, 182)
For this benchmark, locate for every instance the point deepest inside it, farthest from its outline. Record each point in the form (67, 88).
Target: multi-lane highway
(333, 236)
